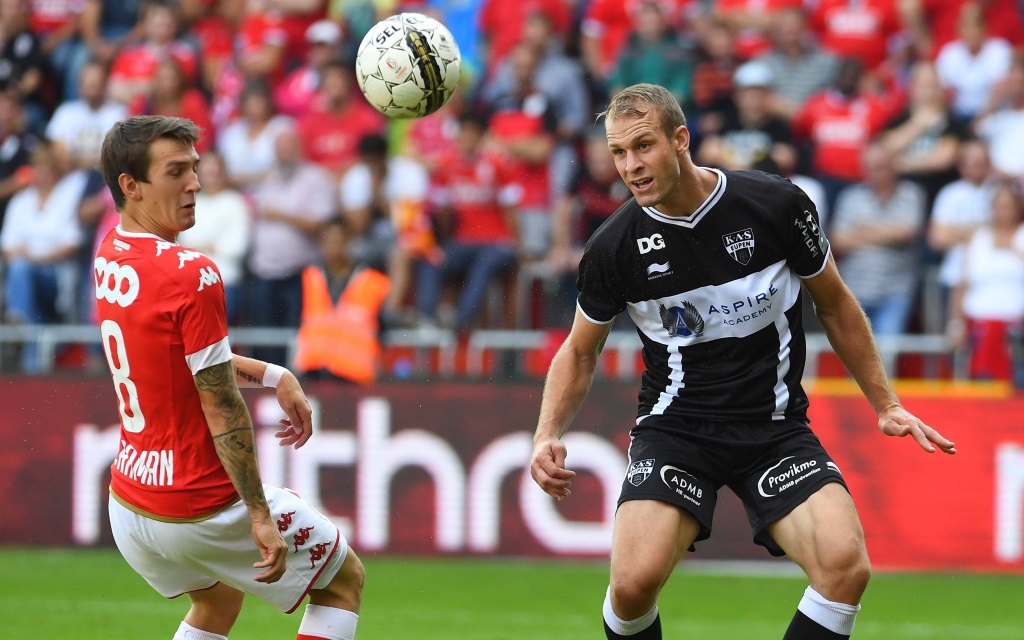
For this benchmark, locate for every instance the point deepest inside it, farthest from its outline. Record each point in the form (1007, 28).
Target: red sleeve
(202, 316)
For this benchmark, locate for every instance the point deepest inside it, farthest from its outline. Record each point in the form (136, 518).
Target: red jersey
(1002, 20)
(856, 30)
(46, 16)
(332, 139)
(533, 117)
(477, 189)
(140, 61)
(501, 22)
(162, 319)
(753, 42)
(193, 106)
(260, 30)
(840, 128)
(612, 21)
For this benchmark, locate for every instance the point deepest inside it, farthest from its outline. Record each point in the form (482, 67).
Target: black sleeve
(807, 247)
(601, 294)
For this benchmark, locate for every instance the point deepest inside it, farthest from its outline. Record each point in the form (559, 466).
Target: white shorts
(176, 558)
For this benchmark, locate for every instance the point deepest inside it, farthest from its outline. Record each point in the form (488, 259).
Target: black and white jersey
(715, 296)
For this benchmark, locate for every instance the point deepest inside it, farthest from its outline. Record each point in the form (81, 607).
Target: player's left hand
(299, 423)
(897, 421)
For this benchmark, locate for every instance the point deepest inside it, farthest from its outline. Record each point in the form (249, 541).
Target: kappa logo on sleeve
(186, 256)
(207, 277)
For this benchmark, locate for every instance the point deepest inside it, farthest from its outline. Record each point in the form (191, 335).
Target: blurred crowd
(903, 120)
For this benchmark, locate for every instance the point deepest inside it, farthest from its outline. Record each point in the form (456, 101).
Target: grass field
(57, 594)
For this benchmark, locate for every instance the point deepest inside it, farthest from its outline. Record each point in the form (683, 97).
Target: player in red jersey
(185, 492)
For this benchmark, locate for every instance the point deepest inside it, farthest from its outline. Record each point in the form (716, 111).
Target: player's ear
(130, 187)
(681, 139)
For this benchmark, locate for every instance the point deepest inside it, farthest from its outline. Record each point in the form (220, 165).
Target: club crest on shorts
(639, 471)
(740, 245)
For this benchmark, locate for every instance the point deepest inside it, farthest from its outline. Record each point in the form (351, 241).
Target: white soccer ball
(408, 65)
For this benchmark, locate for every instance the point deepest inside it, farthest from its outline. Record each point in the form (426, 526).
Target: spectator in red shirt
(502, 23)
(606, 27)
(933, 23)
(838, 123)
(523, 128)
(475, 197)
(332, 130)
(172, 96)
(295, 94)
(856, 29)
(134, 67)
(750, 21)
(262, 41)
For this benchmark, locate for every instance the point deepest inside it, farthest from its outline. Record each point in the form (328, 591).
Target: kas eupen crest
(740, 245)
(639, 470)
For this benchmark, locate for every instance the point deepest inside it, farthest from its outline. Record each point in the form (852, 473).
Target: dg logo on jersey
(740, 245)
(115, 283)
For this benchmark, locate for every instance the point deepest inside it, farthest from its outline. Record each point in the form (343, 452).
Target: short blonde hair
(630, 102)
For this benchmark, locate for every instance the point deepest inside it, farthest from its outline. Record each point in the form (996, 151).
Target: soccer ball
(408, 65)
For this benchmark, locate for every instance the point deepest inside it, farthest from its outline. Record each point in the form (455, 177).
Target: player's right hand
(299, 423)
(548, 468)
(273, 549)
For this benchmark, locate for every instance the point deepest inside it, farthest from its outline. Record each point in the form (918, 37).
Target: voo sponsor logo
(774, 482)
(115, 283)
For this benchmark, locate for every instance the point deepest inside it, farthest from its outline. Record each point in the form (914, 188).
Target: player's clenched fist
(548, 468)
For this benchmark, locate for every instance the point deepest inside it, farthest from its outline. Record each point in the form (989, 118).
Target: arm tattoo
(248, 377)
(236, 444)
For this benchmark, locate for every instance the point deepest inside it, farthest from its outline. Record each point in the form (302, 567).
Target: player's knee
(217, 614)
(847, 573)
(633, 596)
(345, 590)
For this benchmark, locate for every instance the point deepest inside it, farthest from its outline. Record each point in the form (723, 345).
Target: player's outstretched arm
(849, 333)
(567, 385)
(298, 426)
(231, 427)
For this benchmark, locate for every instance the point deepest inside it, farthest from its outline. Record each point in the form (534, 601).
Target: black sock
(652, 632)
(803, 628)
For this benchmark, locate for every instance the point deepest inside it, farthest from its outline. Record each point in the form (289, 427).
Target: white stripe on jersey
(216, 353)
(675, 383)
(781, 390)
(733, 309)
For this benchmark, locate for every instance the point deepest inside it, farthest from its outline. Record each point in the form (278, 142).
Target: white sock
(834, 616)
(626, 627)
(329, 623)
(188, 632)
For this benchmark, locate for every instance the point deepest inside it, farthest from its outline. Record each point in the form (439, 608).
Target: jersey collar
(137, 234)
(691, 220)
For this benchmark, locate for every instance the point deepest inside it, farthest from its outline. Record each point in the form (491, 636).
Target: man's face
(168, 200)
(646, 158)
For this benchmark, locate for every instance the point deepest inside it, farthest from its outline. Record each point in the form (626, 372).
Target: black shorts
(772, 466)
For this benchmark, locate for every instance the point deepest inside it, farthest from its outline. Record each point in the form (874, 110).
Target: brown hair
(126, 147)
(630, 102)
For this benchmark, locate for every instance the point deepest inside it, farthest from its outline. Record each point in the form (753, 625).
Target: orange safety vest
(342, 337)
